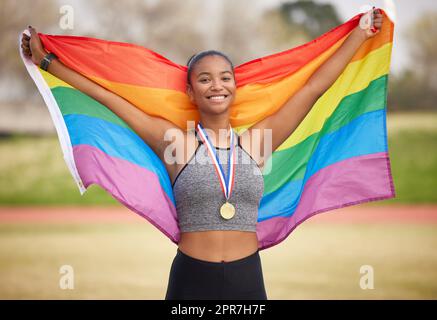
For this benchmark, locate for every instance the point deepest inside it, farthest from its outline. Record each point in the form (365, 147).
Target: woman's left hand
(377, 23)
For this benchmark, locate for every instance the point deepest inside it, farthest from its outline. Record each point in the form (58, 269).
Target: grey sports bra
(199, 196)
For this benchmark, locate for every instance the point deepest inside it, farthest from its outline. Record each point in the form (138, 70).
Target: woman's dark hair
(195, 58)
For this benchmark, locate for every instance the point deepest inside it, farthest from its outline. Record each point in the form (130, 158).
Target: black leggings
(193, 279)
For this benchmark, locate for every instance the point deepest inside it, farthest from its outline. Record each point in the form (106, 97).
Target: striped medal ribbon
(227, 210)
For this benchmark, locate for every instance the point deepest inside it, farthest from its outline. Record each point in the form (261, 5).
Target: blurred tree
(409, 91)
(178, 29)
(416, 87)
(314, 18)
(295, 23)
(15, 16)
(238, 31)
(172, 28)
(167, 27)
(423, 35)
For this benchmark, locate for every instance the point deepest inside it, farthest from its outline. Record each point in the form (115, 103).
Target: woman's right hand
(32, 46)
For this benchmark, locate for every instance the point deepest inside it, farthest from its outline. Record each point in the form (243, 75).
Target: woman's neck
(218, 131)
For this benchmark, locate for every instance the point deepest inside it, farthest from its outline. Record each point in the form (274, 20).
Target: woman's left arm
(284, 121)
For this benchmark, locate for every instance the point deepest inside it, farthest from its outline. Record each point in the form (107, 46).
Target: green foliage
(314, 18)
(416, 87)
(410, 91)
(423, 47)
(33, 171)
(413, 158)
(294, 23)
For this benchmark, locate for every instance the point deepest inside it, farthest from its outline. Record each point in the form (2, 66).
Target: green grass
(33, 172)
(132, 261)
(413, 157)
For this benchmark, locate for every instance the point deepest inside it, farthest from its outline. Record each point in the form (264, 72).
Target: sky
(406, 13)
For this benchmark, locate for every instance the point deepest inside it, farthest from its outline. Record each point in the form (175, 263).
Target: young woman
(217, 256)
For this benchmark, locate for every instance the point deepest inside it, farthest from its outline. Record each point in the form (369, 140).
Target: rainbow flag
(337, 157)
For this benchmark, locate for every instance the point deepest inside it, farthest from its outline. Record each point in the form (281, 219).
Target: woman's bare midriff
(218, 246)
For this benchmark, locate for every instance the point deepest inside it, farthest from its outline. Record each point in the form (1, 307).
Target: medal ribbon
(226, 183)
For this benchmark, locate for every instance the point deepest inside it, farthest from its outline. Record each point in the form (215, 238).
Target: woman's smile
(218, 98)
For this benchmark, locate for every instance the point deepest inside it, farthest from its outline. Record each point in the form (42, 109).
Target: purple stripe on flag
(345, 183)
(135, 187)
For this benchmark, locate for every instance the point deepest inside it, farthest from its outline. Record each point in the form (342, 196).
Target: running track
(355, 214)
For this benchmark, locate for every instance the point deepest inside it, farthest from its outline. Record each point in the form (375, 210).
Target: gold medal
(227, 210)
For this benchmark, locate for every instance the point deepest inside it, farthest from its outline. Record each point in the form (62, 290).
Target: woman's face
(212, 86)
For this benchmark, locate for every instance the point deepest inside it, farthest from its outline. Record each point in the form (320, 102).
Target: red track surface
(353, 214)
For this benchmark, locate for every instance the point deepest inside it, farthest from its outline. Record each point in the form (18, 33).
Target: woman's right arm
(150, 129)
